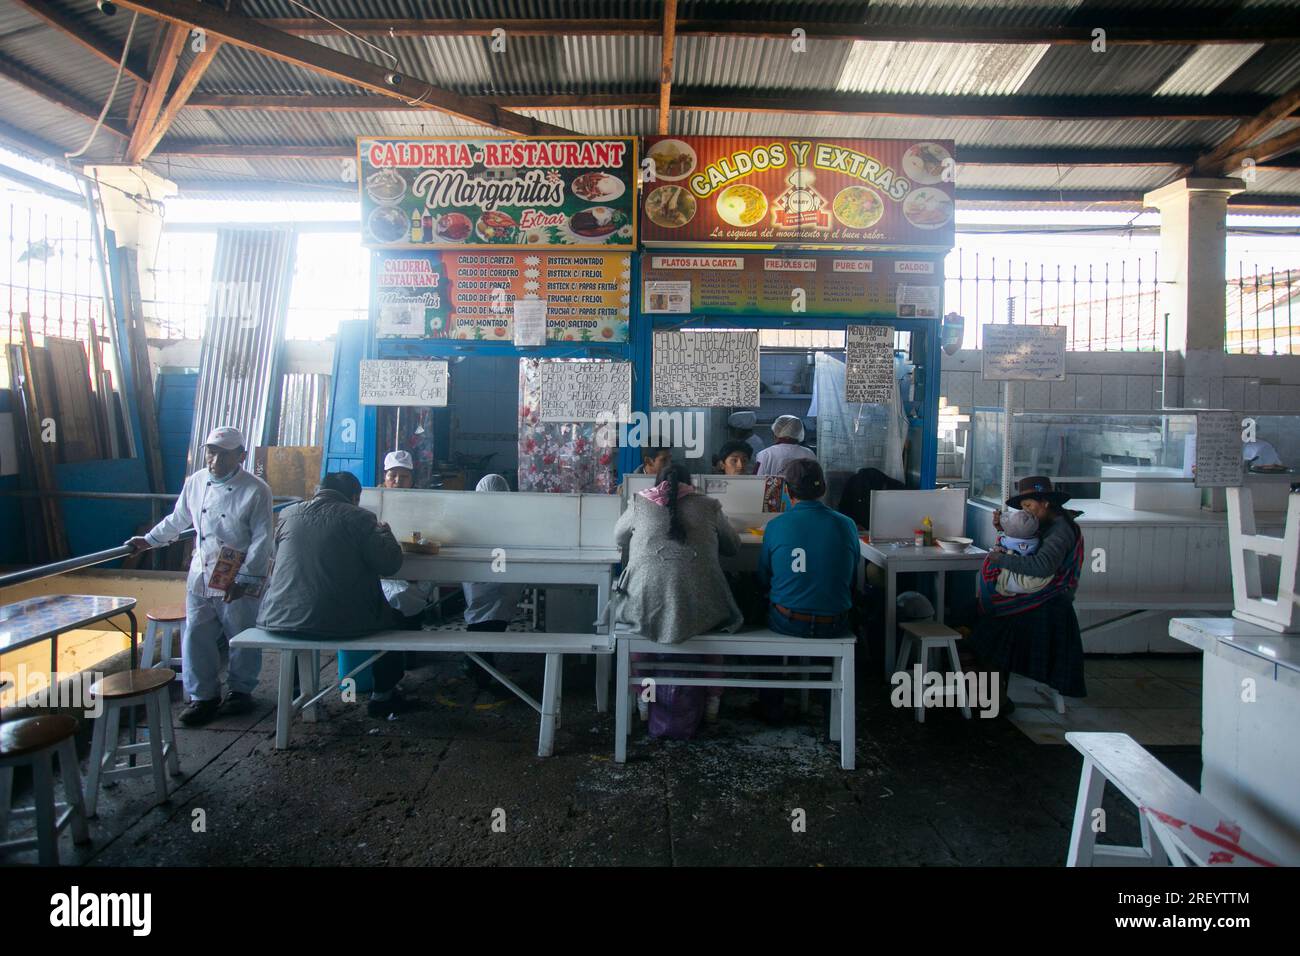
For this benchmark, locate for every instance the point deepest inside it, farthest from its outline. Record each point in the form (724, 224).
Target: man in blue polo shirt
(809, 558)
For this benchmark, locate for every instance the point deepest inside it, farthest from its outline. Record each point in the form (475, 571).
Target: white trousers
(207, 622)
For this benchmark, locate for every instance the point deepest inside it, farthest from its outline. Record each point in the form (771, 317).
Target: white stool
(119, 691)
(928, 636)
(34, 741)
(166, 624)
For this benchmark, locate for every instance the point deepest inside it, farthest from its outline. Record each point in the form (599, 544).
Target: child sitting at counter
(1019, 536)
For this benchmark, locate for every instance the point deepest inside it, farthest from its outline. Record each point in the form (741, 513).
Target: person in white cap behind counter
(229, 508)
(399, 470)
(788, 432)
(742, 426)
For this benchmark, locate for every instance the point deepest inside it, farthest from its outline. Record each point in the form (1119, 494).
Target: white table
(1250, 709)
(895, 557)
(575, 567)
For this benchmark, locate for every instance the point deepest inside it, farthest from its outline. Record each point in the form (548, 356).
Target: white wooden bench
(750, 643)
(1178, 824)
(1135, 607)
(305, 652)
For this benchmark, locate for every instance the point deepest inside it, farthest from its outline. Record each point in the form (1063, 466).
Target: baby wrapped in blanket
(1019, 536)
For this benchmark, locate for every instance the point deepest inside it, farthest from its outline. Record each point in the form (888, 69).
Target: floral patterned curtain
(559, 456)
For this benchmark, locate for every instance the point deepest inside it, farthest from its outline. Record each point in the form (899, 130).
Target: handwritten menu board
(869, 372)
(472, 295)
(414, 382)
(807, 192)
(772, 285)
(705, 369)
(1024, 353)
(574, 391)
(1218, 450)
(504, 193)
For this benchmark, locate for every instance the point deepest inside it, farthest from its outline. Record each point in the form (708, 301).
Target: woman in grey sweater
(672, 586)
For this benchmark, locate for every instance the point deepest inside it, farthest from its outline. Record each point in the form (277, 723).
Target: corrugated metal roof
(957, 69)
(1206, 68)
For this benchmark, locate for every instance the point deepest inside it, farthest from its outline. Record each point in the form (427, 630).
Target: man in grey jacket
(329, 557)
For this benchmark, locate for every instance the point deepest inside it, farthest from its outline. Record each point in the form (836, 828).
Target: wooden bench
(750, 643)
(1134, 607)
(1178, 824)
(305, 652)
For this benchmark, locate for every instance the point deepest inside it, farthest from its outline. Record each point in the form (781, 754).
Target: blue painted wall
(176, 392)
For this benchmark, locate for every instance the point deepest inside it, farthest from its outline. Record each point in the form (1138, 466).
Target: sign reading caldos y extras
(775, 191)
(576, 193)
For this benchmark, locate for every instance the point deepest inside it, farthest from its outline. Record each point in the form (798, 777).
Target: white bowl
(955, 545)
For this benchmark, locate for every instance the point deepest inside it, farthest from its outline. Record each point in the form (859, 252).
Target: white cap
(788, 426)
(399, 459)
(742, 420)
(226, 437)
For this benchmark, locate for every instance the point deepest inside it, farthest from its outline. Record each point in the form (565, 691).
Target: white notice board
(584, 391)
(869, 375)
(1218, 450)
(403, 382)
(1024, 353)
(705, 369)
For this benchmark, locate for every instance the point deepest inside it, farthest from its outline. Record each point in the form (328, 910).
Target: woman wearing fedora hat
(1035, 634)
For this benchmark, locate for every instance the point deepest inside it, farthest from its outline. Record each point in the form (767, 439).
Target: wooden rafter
(1120, 30)
(1261, 153)
(255, 36)
(666, 63)
(182, 94)
(15, 72)
(1215, 160)
(159, 83)
(110, 51)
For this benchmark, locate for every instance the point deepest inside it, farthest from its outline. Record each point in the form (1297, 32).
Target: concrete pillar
(1193, 258)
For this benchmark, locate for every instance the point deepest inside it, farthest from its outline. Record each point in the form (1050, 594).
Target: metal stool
(165, 625)
(929, 636)
(120, 691)
(34, 741)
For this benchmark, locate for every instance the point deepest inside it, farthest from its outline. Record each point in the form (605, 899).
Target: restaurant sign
(828, 193)
(472, 295)
(514, 193)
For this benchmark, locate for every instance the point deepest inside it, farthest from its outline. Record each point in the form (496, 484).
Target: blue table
(43, 618)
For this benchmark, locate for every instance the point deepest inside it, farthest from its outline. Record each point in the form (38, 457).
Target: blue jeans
(772, 699)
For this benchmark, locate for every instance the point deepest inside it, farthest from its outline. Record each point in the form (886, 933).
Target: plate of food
(928, 208)
(598, 187)
(670, 206)
(924, 163)
(673, 159)
(494, 226)
(858, 207)
(452, 227)
(386, 187)
(388, 224)
(596, 222)
(742, 205)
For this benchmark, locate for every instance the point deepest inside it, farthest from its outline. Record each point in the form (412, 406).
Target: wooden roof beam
(253, 35)
(161, 81)
(1250, 130)
(181, 95)
(15, 72)
(666, 63)
(110, 51)
(1260, 153)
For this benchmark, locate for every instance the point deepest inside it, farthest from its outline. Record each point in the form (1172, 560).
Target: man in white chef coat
(229, 508)
(409, 598)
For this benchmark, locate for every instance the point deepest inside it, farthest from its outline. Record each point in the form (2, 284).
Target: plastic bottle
(928, 527)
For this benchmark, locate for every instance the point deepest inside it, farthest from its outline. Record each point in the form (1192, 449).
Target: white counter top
(1103, 514)
(1273, 655)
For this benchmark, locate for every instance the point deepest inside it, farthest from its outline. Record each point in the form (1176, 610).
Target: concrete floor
(426, 788)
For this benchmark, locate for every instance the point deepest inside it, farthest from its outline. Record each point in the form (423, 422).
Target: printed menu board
(497, 193)
(774, 191)
(707, 369)
(753, 283)
(472, 295)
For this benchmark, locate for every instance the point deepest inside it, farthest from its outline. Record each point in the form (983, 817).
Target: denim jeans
(772, 699)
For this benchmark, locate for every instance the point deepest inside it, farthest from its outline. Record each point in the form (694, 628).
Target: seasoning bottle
(919, 538)
(927, 528)
(415, 225)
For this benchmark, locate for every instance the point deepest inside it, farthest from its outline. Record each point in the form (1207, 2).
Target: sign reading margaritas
(716, 190)
(505, 193)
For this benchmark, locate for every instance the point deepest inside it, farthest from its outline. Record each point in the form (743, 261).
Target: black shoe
(236, 702)
(396, 704)
(199, 712)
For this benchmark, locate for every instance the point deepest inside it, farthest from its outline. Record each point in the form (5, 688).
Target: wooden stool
(119, 691)
(166, 624)
(929, 636)
(35, 741)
